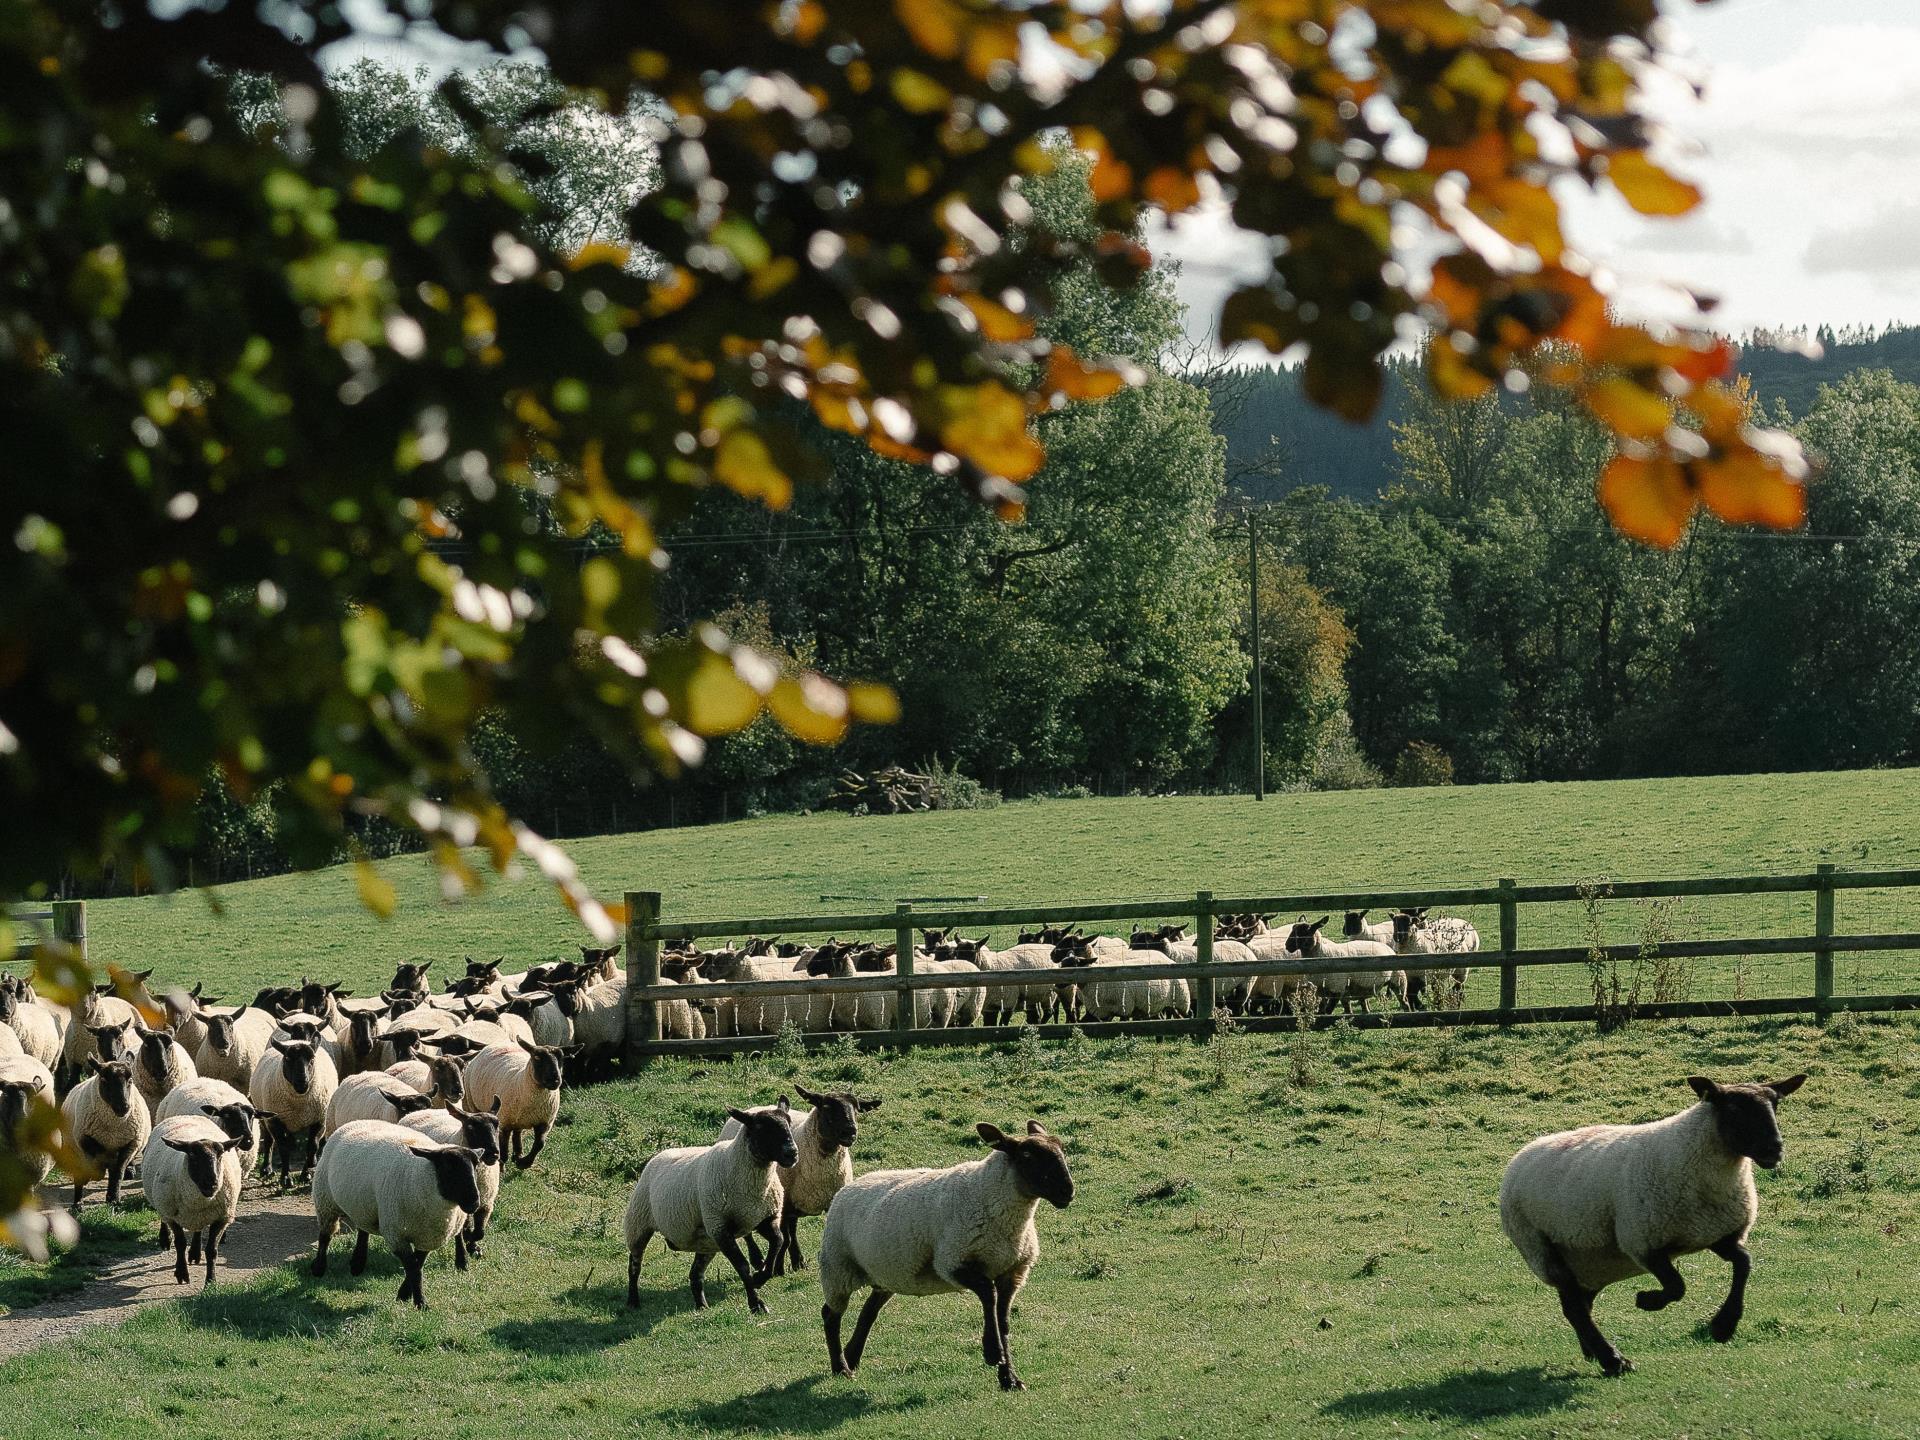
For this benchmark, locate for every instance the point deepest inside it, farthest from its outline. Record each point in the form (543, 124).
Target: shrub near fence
(647, 927)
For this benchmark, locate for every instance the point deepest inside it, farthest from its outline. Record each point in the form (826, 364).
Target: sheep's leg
(459, 1252)
(116, 1170)
(193, 1249)
(263, 1166)
(790, 1228)
(180, 1272)
(314, 1145)
(416, 1262)
(477, 1231)
(327, 1227)
(868, 1312)
(513, 1146)
(769, 1230)
(1727, 1318)
(1003, 1289)
(1659, 1264)
(763, 1269)
(358, 1262)
(214, 1232)
(282, 1146)
(830, 1322)
(730, 1248)
(973, 1278)
(634, 1253)
(696, 1280)
(539, 1141)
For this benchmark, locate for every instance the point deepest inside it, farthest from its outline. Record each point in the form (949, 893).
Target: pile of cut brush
(890, 790)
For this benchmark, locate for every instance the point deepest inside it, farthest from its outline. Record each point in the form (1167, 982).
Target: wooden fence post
(70, 925)
(903, 967)
(1509, 942)
(643, 969)
(1823, 959)
(1203, 948)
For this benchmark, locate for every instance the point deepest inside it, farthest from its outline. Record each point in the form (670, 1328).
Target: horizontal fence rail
(647, 930)
(63, 921)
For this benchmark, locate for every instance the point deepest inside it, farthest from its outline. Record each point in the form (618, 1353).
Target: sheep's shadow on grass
(811, 1403)
(287, 1302)
(1469, 1395)
(593, 1318)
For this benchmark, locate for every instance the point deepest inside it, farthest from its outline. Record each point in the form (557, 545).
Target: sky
(1807, 144)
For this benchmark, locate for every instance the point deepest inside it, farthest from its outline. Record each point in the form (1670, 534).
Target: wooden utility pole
(1253, 609)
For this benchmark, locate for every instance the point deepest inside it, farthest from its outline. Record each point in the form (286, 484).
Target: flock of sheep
(407, 1107)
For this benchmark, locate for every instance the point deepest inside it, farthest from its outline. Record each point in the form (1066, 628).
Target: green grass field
(1272, 1233)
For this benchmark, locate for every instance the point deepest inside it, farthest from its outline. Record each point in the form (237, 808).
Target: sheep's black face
(1300, 939)
(203, 1162)
(410, 977)
(296, 1064)
(156, 1048)
(15, 1096)
(1039, 1162)
(547, 1069)
(109, 1041)
(220, 1033)
(1402, 928)
(1745, 1116)
(836, 1115)
(769, 1137)
(9, 1003)
(116, 1083)
(449, 1081)
(456, 1174)
(481, 1134)
(235, 1119)
(1356, 924)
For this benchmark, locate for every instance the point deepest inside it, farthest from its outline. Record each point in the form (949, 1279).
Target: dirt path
(269, 1230)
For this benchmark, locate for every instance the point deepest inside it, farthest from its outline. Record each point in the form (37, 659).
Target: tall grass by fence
(647, 927)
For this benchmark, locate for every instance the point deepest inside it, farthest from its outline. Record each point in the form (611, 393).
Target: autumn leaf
(376, 891)
(1648, 188)
(1647, 499)
(1745, 489)
(810, 708)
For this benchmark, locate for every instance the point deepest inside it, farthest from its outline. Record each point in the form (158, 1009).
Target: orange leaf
(1630, 410)
(1746, 489)
(1172, 189)
(987, 424)
(933, 24)
(997, 323)
(1068, 375)
(1648, 188)
(1647, 500)
(745, 465)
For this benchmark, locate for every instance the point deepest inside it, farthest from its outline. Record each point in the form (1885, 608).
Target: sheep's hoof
(1651, 1299)
(180, 1275)
(1615, 1365)
(1722, 1326)
(758, 1306)
(843, 1369)
(1009, 1380)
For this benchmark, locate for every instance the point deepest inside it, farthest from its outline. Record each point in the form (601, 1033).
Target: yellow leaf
(987, 423)
(1648, 188)
(1647, 500)
(809, 708)
(718, 701)
(376, 891)
(600, 253)
(1631, 410)
(60, 975)
(997, 323)
(744, 464)
(933, 24)
(917, 93)
(873, 704)
(1068, 375)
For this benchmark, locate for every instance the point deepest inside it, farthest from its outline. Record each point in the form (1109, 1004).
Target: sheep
(1588, 1207)
(526, 1080)
(233, 1045)
(185, 1018)
(105, 1012)
(1275, 986)
(823, 1138)
(23, 1081)
(436, 1075)
(1412, 936)
(108, 1120)
(290, 1088)
(480, 1133)
(35, 1025)
(1306, 940)
(162, 1063)
(10, 1043)
(703, 1198)
(412, 976)
(930, 1232)
(1357, 928)
(1041, 999)
(375, 1096)
(191, 1173)
(600, 1022)
(210, 1099)
(373, 1176)
(358, 1036)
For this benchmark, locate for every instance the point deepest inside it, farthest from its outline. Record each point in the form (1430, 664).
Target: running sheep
(823, 1139)
(1360, 983)
(1414, 934)
(161, 1063)
(290, 1088)
(526, 1081)
(1588, 1207)
(206, 1098)
(701, 1199)
(393, 1182)
(191, 1174)
(23, 1081)
(373, 1096)
(479, 1133)
(930, 1232)
(108, 1121)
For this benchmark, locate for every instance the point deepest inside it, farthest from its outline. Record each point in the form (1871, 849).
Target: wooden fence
(647, 927)
(63, 920)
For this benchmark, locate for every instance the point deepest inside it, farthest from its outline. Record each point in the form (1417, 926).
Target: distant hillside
(1277, 441)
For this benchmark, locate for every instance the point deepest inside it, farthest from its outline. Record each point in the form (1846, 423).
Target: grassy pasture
(1272, 1233)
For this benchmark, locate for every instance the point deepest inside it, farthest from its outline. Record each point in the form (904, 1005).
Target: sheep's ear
(93, 1064)
(494, 1109)
(864, 1105)
(783, 1105)
(1034, 1127)
(991, 1133)
(1321, 921)
(740, 1115)
(239, 1142)
(1703, 1087)
(279, 1045)
(812, 1097)
(425, 1152)
(185, 1147)
(529, 1048)
(1786, 1087)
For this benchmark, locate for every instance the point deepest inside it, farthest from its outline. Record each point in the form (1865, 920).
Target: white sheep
(185, 1017)
(480, 1133)
(290, 1087)
(108, 1121)
(80, 1040)
(23, 1081)
(930, 1232)
(35, 1024)
(372, 1096)
(393, 1182)
(1355, 927)
(1414, 934)
(160, 1064)
(233, 1045)
(1360, 983)
(1588, 1207)
(823, 1141)
(206, 1098)
(526, 1080)
(436, 1075)
(701, 1199)
(191, 1172)
(998, 1002)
